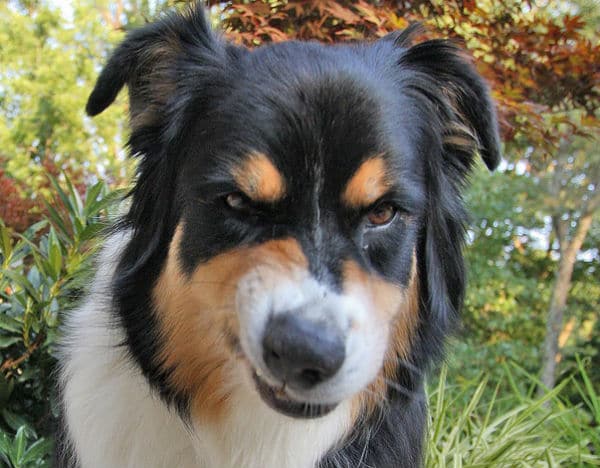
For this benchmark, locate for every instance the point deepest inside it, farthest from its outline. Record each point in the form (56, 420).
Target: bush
(42, 274)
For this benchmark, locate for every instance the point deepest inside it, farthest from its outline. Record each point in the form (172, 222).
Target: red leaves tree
(535, 63)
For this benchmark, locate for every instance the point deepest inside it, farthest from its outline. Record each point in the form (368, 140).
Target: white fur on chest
(115, 420)
(254, 436)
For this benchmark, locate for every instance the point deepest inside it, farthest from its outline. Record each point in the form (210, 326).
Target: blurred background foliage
(522, 383)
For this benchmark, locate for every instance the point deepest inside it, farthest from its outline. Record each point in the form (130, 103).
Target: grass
(509, 429)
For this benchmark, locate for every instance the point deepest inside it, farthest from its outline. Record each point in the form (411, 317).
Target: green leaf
(19, 444)
(38, 450)
(57, 220)
(10, 324)
(35, 228)
(75, 200)
(60, 192)
(15, 421)
(5, 243)
(5, 448)
(54, 254)
(6, 341)
(92, 199)
(6, 389)
(23, 282)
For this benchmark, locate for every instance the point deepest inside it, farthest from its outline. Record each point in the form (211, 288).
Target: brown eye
(237, 201)
(382, 214)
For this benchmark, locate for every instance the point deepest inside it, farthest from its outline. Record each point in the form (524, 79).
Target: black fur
(198, 104)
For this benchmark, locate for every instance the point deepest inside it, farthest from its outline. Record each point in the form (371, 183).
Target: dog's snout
(302, 352)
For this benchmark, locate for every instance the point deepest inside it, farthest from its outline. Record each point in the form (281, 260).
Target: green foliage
(49, 61)
(508, 276)
(590, 397)
(42, 273)
(25, 450)
(511, 269)
(508, 428)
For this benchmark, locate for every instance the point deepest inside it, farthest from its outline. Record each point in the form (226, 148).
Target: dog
(290, 264)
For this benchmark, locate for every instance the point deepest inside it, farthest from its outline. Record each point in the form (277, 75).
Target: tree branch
(11, 363)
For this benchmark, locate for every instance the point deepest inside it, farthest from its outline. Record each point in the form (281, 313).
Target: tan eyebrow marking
(368, 184)
(259, 179)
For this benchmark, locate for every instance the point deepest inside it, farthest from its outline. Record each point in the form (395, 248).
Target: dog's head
(296, 225)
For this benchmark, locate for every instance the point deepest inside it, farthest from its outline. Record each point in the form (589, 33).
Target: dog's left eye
(381, 215)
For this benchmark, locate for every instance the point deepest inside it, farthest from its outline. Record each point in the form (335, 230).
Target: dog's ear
(445, 76)
(159, 63)
(175, 69)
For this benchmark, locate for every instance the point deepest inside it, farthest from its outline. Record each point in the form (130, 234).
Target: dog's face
(293, 214)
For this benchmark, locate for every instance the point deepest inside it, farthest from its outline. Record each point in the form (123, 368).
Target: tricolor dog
(290, 263)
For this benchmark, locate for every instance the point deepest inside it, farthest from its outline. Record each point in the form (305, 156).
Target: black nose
(302, 352)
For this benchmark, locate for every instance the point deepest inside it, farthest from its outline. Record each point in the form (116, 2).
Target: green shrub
(42, 272)
(20, 452)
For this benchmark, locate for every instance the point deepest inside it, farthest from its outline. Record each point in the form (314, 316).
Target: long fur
(198, 105)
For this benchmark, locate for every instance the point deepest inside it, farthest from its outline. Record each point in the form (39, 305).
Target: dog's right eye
(238, 201)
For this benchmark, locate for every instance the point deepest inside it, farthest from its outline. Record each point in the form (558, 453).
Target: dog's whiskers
(213, 283)
(411, 367)
(404, 390)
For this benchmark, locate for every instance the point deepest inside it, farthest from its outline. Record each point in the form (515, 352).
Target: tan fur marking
(400, 308)
(458, 133)
(460, 136)
(198, 318)
(259, 179)
(368, 184)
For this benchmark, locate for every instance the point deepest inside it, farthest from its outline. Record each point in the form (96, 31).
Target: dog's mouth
(277, 399)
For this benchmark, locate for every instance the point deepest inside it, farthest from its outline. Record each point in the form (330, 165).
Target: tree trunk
(558, 303)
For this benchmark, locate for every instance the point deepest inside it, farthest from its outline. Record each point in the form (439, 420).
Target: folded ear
(444, 75)
(175, 69)
(154, 62)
